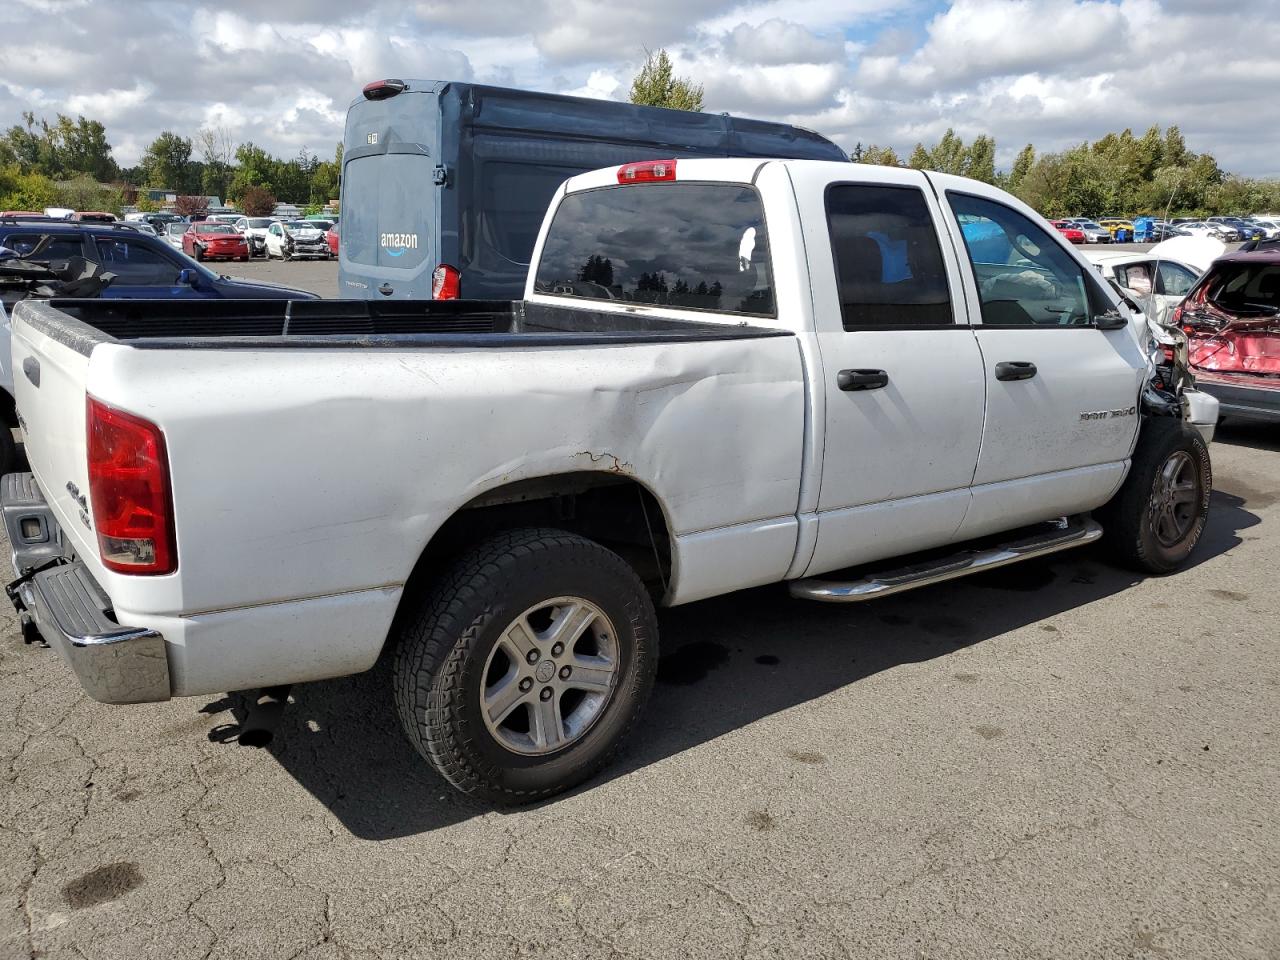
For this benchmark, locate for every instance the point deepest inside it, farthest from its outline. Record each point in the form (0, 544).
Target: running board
(1071, 532)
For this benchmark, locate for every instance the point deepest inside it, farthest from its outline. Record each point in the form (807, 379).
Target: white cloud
(1052, 72)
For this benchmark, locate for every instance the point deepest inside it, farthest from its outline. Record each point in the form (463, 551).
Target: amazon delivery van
(444, 185)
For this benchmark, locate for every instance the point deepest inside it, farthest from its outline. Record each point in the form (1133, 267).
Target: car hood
(1196, 252)
(307, 233)
(241, 289)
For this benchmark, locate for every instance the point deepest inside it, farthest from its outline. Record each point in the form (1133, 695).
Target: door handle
(1015, 370)
(850, 380)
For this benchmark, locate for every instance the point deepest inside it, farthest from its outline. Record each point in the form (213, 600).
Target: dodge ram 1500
(723, 374)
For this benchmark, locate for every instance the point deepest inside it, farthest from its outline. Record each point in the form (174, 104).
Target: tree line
(1119, 174)
(69, 163)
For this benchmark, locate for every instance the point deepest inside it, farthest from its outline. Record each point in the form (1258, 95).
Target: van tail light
(384, 89)
(446, 283)
(129, 491)
(647, 171)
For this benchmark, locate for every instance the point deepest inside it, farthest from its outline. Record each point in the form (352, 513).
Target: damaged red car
(1232, 321)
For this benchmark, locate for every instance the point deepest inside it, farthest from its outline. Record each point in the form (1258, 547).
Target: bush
(257, 202)
(85, 193)
(26, 191)
(191, 206)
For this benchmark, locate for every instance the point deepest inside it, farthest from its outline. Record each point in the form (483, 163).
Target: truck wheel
(524, 669)
(1156, 519)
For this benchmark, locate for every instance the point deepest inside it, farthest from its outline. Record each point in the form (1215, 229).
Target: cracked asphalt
(1058, 760)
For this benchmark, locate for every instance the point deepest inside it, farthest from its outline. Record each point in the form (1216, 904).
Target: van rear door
(390, 213)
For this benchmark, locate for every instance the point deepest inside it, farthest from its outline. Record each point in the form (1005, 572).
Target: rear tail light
(129, 491)
(446, 283)
(384, 89)
(647, 171)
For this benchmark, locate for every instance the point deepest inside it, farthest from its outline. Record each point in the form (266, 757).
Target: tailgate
(49, 386)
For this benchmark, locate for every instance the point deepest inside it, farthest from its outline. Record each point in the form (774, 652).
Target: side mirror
(186, 277)
(1111, 320)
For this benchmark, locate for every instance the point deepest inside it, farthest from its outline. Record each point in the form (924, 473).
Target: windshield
(1090, 226)
(212, 228)
(300, 225)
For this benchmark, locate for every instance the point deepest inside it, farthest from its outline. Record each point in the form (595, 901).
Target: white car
(518, 483)
(1199, 228)
(255, 233)
(1158, 284)
(295, 240)
(173, 232)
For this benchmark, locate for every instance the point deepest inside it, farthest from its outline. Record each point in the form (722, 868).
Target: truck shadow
(727, 662)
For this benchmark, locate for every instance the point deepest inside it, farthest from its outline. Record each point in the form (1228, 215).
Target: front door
(1062, 395)
(142, 271)
(900, 366)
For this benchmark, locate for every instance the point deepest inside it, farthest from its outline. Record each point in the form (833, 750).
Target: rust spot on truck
(615, 464)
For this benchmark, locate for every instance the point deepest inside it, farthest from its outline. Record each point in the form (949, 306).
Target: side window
(136, 263)
(1024, 276)
(1175, 280)
(888, 263)
(53, 248)
(1135, 277)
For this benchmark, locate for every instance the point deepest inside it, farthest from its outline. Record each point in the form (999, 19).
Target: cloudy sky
(1051, 72)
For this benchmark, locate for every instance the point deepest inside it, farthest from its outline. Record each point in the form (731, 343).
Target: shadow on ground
(728, 662)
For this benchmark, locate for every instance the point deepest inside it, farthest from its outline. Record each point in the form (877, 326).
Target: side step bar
(1067, 533)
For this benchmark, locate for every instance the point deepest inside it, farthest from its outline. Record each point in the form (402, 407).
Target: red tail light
(647, 171)
(446, 283)
(129, 491)
(384, 89)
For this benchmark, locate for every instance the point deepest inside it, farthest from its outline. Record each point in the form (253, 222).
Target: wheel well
(617, 512)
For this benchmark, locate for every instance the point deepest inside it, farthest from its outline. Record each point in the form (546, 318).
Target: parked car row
(1154, 229)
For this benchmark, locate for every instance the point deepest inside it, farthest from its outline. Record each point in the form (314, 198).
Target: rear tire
(1155, 520)
(567, 708)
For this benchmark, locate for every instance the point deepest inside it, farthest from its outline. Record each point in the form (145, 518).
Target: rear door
(1062, 395)
(901, 370)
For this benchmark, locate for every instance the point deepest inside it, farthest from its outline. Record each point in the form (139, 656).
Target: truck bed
(258, 324)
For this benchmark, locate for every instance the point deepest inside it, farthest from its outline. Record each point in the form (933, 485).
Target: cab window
(1024, 276)
(889, 266)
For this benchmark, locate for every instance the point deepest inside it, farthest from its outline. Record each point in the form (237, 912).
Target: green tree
(82, 192)
(949, 155)
(167, 162)
(980, 159)
(254, 168)
(1022, 165)
(657, 86)
(882, 156)
(81, 147)
(919, 159)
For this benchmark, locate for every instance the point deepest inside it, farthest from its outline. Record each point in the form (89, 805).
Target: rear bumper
(114, 663)
(1242, 396)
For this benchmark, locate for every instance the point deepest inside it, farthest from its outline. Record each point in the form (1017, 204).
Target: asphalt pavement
(1055, 760)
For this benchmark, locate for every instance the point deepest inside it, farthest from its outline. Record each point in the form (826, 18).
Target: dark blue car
(146, 268)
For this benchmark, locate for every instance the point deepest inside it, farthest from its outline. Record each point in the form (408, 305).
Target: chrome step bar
(1067, 533)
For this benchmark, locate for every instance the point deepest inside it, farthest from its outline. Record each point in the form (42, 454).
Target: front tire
(199, 251)
(521, 673)
(1156, 519)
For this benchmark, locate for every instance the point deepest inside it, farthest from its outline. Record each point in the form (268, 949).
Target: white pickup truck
(724, 373)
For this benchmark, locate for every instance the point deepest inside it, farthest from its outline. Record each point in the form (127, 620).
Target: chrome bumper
(114, 663)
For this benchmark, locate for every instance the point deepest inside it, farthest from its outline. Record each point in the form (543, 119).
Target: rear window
(1246, 287)
(697, 246)
(54, 247)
